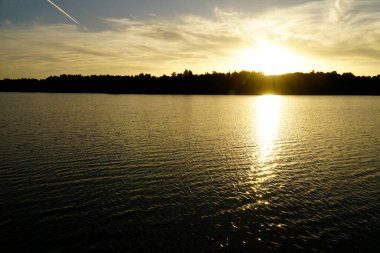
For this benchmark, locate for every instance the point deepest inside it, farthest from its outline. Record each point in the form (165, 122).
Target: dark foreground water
(189, 173)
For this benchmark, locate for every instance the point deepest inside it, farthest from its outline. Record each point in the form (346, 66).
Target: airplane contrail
(61, 10)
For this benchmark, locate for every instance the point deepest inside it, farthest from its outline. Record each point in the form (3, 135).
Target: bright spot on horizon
(271, 59)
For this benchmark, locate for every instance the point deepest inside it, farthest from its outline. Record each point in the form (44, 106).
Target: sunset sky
(122, 37)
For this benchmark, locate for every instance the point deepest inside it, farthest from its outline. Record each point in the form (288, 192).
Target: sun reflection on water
(268, 113)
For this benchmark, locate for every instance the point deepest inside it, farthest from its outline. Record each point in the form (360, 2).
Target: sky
(40, 38)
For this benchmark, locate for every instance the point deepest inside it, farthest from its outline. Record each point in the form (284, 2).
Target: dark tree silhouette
(238, 83)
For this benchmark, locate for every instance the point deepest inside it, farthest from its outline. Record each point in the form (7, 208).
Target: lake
(139, 173)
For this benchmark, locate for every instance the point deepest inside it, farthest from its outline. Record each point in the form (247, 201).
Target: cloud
(338, 35)
(341, 9)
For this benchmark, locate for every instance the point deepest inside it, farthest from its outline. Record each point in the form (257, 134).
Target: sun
(271, 58)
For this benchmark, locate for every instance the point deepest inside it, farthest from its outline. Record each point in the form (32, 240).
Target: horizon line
(193, 74)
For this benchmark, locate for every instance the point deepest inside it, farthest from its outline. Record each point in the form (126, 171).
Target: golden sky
(341, 35)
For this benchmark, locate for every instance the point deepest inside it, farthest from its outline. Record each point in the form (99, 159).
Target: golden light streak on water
(268, 111)
(267, 119)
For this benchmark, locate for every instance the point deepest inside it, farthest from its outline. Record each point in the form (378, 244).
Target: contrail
(61, 10)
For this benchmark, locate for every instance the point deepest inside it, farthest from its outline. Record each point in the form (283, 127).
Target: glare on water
(267, 120)
(268, 111)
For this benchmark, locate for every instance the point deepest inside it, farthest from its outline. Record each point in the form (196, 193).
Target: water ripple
(114, 173)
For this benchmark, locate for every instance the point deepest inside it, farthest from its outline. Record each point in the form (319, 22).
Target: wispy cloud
(337, 35)
(341, 10)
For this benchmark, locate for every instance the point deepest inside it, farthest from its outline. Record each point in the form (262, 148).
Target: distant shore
(232, 83)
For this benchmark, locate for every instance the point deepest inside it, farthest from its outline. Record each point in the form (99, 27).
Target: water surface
(189, 173)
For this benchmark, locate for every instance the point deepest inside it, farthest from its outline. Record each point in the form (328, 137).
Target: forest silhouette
(231, 83)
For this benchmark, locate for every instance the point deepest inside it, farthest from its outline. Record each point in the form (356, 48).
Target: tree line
(231, 83)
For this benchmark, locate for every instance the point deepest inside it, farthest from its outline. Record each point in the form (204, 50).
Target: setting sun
(271, 58)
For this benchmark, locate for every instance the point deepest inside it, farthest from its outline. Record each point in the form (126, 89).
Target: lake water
(136, 173)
